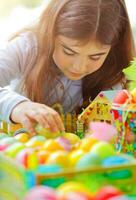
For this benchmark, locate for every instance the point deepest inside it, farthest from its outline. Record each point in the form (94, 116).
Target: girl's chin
(72, 76)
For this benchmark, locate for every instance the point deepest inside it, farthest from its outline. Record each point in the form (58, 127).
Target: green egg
(46, 132)
(13, 149)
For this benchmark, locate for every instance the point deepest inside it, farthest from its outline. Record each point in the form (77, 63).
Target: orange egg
(58, 157)
(42, 156)
(22, 137)
(52, 145)
(87, 143)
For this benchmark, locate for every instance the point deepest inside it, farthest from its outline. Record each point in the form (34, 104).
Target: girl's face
(76, 59)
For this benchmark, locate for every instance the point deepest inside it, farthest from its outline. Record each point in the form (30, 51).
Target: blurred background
(15, 14)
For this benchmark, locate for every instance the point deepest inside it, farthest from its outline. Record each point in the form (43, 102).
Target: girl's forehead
(81, 43)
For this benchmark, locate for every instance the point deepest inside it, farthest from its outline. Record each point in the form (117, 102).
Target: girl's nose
(79, 66)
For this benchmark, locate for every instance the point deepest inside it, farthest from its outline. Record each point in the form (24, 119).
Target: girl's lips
(75, 74)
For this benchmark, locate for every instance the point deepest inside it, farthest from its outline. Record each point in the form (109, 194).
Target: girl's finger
(28, 124)
(59, 121)
(52, 122)
(39, 118)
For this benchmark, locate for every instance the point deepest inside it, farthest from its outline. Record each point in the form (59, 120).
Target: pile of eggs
(42, 156)
(74, 190)
(65, 152)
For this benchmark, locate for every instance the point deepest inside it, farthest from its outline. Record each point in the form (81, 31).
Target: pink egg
(41, 193)
(107, 192)
(102, 131)
(77, 196)
(3, 147)
(65, 143)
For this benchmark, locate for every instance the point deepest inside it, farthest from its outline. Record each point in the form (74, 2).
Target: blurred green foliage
(7, 5)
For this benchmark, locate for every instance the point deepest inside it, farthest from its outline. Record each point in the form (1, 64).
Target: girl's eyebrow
(97, 54)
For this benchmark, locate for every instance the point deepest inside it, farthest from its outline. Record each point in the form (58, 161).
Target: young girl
(76, 49)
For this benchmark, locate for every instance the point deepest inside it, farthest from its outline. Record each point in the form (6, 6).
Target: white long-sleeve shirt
(15, 58)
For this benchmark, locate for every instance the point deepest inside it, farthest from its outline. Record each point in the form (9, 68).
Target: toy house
(99, 109)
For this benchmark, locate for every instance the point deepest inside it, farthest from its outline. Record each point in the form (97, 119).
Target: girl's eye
(95, 58)
(68, 52)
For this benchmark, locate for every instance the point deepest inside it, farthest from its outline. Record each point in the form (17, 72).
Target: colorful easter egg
(22, 137)
(50, 169)
(46, 132)
(133, 93)
(13, 149)
(103, 131)
(52, 145)
(41, 193)
(58, 157)
(76, 196)
(74, 156)
(121, 97)
(8, 141)
(118, 160)
(73, 138)
(42, 156)
(65, 143)
(88, 160)
(3, 147)
(107, 192)
(32, 161)
(87, 143)
(103, 150)
(22, 156)
(72, 186)
(36, 141)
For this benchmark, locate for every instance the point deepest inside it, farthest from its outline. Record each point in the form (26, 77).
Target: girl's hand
(29, 113)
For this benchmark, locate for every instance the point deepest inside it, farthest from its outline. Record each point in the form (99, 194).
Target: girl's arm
(14, 59)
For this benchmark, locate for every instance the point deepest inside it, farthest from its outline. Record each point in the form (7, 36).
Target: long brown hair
(106, 20)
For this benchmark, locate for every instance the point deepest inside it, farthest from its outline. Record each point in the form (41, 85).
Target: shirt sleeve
(15, 56)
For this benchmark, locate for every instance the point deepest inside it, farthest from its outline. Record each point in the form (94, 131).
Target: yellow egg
(133, 93)
(58, 157)
(72, 187)
(35, 142)
(32, 161)
(87, 143)
(73, 138)
(52, 145)
(46, 132)
(75, 156)
(22, 137)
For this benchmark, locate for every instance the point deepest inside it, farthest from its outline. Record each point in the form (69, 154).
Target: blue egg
(117, 160)
(48, 169)
(114, 160)
(88, 160)
(30, 179)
